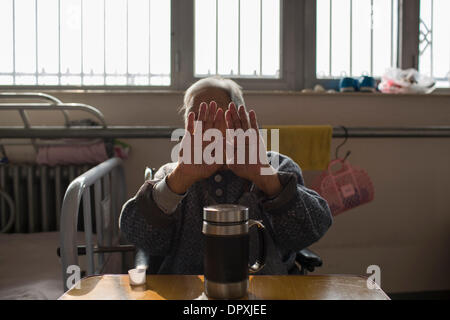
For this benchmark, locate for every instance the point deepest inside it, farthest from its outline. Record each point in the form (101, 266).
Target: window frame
(297, 50)
(408, 40)
(291, 53)
(99, 88)
(182, 55)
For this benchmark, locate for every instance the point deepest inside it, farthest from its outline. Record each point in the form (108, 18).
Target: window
(85, 42)
(356, 37)
(434, 48)
(237, 38)
(263, 44)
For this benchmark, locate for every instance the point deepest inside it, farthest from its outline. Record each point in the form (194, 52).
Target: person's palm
(208, 117)
(251, 168)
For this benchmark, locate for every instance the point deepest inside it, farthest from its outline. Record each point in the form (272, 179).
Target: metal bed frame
(106, 181)
(52, 103)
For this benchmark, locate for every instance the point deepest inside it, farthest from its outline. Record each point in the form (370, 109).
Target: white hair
(228, 85)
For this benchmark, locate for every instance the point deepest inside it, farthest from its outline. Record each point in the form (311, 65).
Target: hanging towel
(308, 146)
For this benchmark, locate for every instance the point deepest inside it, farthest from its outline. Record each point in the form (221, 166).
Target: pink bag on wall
(345, 188)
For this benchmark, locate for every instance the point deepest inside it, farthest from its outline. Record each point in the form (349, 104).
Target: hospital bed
(33, 211)
(29, 263)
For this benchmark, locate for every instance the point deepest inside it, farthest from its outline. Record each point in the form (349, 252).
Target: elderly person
(164, 219)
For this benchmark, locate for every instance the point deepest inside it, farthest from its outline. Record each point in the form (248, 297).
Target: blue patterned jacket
(168, 225)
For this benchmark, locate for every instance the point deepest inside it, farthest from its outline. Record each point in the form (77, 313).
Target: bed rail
(106, 184)
(35, 96)
(52, 103)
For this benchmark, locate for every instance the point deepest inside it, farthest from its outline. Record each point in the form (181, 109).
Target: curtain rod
(155, 132)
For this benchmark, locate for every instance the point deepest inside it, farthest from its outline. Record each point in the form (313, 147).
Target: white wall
(405, 230)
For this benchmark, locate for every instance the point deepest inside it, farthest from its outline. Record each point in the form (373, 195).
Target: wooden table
(189, 287)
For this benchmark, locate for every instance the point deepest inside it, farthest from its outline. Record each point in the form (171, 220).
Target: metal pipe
(30, 195)
(18, 200)
(26, 123)
(3, 213)
(158, 132)
(7, 224)
(58, 195)
(106, 212)
(87, 217)
(45, 199)
(98, 221)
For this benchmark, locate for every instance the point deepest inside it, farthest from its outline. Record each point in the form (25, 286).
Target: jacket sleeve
(298, 216)
(148, 219)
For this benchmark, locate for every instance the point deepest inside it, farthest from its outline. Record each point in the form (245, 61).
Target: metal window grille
(85, 42)
(434, 39)
(356, 37)
(237, 38)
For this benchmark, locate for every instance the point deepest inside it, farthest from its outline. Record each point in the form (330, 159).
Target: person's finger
(261, 145)
(244, 118)
(229, 142)
(202, 112)
(219, 118)
(213, 106)
(190, 123)
(210, 114)
(201, 117)
(253, 120)
(219, 123)
(234, 116)
(229, 120)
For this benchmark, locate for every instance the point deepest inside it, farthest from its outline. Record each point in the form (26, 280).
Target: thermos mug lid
(227, 213)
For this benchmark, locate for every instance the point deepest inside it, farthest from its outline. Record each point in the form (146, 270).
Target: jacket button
(219, 192)
(218, 178)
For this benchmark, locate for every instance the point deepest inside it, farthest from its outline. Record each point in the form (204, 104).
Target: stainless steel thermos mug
(226, 257)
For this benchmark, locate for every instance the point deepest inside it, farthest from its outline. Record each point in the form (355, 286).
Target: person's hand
(251, 170)
(188, 172)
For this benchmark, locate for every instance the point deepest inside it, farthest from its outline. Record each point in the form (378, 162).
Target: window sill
(438, 92)
(445, 92)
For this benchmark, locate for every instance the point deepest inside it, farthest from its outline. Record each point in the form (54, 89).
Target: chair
(307, 261)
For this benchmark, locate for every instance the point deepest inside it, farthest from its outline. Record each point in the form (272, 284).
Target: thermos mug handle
(261, 259)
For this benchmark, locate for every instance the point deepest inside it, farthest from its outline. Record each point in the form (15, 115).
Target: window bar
(81, 40)
(239, 37)
(260, 36)
(14, 40)
(392, 33)
(59, 42)
(36, 38)
(127, 72)
(217, 36)
(104, 42)
(431, 40)
(371, 37)
(149, 41)
(351, 38)
(331, 39)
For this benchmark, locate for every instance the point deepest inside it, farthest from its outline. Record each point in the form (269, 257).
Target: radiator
(36, 193)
